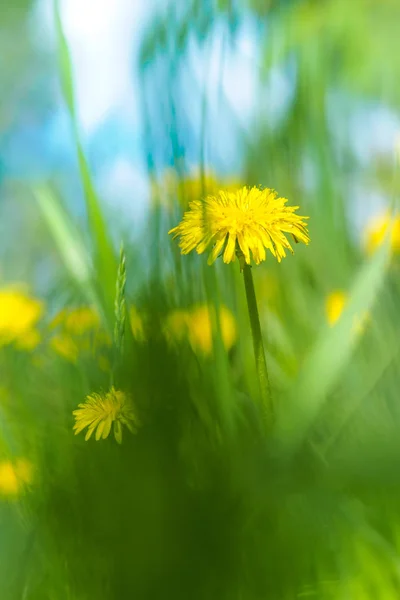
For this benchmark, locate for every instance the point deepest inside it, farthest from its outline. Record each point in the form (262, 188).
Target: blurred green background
(114, 115)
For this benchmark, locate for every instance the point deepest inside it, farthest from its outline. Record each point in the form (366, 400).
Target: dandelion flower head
(101, 412)
(248, 221)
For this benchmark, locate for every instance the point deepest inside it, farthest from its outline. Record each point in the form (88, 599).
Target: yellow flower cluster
(100, 412)
(246, 222)
(195, 325)
(14, 477)
(19, 316)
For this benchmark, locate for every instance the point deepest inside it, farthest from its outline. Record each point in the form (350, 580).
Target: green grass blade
(330, 355)
(105, 261)
(70, 246)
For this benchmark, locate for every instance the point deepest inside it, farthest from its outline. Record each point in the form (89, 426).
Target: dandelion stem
(259, 353)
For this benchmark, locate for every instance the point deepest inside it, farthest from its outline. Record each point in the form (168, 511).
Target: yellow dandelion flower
(247, 221)
(19, 315)
(13, 477)
(376, 230)
(196, 326)
(102, 411)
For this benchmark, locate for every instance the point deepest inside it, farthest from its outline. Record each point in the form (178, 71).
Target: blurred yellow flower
(245, 222)
(14, 477)
(65, 346)
(200, 328)
(77, 321)
(335, 303)
(196, 326)
(77, 330)
(375, 233)
(334, 307)
(19, 315)
(176, 325)
(173, 188)
(136, 322)
(102, 411)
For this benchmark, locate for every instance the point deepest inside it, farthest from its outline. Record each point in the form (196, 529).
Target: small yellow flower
(196, 326)
(13, 477)
(334, 306)
(200, 328)
(102, 411)
(19, 315)
(376, 230)
(247, 221)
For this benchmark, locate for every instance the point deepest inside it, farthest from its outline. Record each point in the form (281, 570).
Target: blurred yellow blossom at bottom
(334, 307)
(19, 315)
(102, 411)
(196, 325)
(376, 230)
(15, 476)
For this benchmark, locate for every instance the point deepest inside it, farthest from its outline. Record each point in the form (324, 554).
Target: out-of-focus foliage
(178, 491)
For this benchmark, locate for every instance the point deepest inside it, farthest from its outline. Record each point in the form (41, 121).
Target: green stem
(259, 353)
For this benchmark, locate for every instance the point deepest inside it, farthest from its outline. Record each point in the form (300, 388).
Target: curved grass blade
(330, 355)
(105, 262)
(70, 246)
